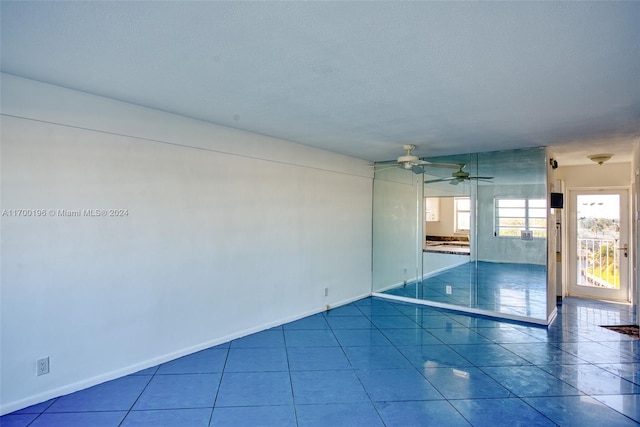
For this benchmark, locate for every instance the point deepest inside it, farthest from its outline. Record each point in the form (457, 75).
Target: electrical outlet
(42, 366)
(326, 292)
(449, 290)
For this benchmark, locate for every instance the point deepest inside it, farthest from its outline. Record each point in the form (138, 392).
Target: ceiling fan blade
(439, 165)
(430, 181)
(456, 181)
(417, 169)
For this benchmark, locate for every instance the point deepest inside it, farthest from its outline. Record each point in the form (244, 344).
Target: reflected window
(462, 212)
(513, 216)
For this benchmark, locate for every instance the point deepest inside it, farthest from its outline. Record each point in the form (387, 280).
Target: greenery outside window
(513, 216)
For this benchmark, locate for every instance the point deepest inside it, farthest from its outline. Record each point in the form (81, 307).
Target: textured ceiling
(359, 78)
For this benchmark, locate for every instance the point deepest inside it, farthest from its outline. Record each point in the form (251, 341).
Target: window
(462, 212)
(512, 216)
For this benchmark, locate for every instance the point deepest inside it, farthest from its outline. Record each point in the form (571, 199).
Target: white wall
(227, 233)
(397, 245)
(594, 176)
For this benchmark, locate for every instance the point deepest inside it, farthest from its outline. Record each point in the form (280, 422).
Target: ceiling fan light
(408, 159)
(600, 158)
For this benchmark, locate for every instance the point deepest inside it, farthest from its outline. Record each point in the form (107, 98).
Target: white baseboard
(131, 369)
(461, 309)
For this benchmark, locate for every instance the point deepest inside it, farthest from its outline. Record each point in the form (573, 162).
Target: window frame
(456, 211)
(539, 204)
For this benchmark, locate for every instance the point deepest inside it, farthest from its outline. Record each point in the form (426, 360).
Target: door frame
(571, 241)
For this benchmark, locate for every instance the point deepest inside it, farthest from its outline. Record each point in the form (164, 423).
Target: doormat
(631, 330)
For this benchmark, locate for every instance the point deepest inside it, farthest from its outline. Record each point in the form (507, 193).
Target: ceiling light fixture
(600, 158)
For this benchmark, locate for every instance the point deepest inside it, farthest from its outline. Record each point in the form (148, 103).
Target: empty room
(319, 213)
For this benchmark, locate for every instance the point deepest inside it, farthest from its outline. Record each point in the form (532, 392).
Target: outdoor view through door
(600, 253)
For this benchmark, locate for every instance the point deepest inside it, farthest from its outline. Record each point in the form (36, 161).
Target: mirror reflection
(469, 232)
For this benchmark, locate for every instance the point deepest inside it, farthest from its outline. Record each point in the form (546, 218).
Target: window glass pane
(537, 203)
(511, 222)
(538, 223)
(511, 203)
(511, 212)
(538, 213)
(509, 232)
(540, 233)
(463, 221)
(515, 215)
(463, 203)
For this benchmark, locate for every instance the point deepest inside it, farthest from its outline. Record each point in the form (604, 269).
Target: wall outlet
(448, 289)
(326, 292)
(42, 366)
(526, 235)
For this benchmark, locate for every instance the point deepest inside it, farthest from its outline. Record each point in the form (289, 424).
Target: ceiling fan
(459, 176)
(410, 161)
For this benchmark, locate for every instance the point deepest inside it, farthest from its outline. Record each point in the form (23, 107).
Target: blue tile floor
(519, 289)
(382, 363)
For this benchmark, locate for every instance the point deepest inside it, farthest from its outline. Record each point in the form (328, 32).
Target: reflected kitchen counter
(447, 245)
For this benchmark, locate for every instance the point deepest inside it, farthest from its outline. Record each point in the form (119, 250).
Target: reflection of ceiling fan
(459, 176)
(412, 162)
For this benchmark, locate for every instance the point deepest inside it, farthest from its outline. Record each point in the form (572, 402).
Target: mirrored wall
(469, 233)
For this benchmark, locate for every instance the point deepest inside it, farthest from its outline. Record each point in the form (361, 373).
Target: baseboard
(467, 310)
(131, 369)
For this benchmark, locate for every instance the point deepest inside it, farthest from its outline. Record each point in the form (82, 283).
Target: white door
(599, 244)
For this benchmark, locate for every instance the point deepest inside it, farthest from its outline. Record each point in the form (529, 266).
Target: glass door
(599, 244)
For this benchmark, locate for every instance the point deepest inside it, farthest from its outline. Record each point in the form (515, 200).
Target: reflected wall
(486, 249)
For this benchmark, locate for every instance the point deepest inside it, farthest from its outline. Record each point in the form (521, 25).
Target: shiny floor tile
(317, 359)
(308, 338)
(323, 387)
(501, 412)
(378, 362)
(433, 356)
(591, 379)
(116, 395)
(360, 337)
(179, 392)
(168, 418)
(464, 383)
(488, 355)
(255, 389)
(382, 357)
(414, 336)
(256, 360)
(578, 411)
(251, 416)
(17, 420)
(338, 415)
(79, 419)
(627, 404)
(530, 381)
(388, 385)
(420, 413)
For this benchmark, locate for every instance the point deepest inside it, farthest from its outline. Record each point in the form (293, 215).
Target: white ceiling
(359, 78)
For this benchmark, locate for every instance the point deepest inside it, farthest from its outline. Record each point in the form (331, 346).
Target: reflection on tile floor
(518, 289)
(382, 363)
